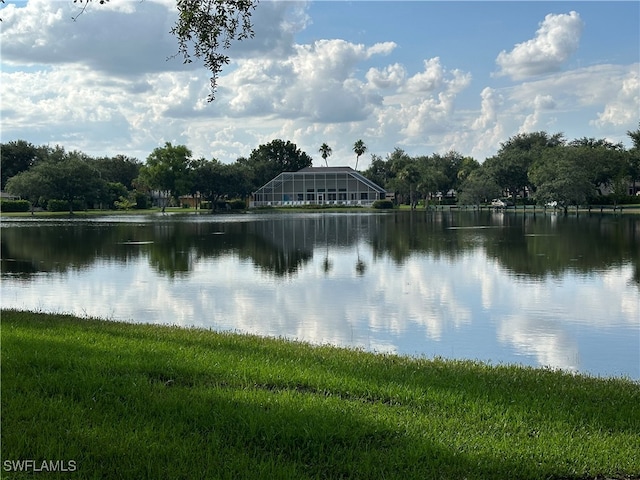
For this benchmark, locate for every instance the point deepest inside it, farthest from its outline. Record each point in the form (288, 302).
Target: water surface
(541, 290)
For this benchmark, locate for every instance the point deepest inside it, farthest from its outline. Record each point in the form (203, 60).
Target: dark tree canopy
(275, 157)
(17, 157)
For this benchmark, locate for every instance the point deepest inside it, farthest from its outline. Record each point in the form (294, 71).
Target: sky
(424, 76)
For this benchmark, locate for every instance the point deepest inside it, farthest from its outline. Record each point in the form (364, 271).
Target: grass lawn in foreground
(140, 401)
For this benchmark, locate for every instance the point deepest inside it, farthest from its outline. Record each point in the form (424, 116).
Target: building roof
(322, 170)
(326, 170)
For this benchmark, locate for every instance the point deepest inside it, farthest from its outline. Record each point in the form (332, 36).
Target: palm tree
(359, 148)
(325, 151)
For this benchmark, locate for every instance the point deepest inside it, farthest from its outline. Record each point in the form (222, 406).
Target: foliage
(114, 192)
(383, 204)
(270, 159)
(141, 200)
(325, 152)
(359, 148)
(63, 176)
(167, 170)
(14, 205)
(510, 167)
(204, 28)
(478, 187)
(237, 204)
(560, 177)
(17, 157)
(123, 203)
(29, 184)
(118, 169)
(55, 205)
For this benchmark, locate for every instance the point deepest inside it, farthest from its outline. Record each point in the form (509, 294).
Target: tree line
(48, 176)
(539, 166)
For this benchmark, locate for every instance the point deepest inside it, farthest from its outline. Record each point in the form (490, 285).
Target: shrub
(383, 204)
(237, 204)
(14, 205)
(54, 205)
(142, 201)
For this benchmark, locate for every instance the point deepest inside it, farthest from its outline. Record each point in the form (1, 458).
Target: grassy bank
(138, 401)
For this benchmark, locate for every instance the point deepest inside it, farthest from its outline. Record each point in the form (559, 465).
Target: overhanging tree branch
(205, 28)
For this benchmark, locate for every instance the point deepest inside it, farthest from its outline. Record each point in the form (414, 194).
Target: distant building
(318, 186)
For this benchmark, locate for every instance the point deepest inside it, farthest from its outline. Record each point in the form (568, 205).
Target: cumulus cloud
(556, 40)
(123, 41)
(316, 82)
(392, 76)
(623, 108)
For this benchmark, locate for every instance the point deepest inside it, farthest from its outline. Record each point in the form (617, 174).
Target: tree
(510, 166)
(167, 171)
(378, 171)
(478, 187)
(604, 161)
(633, 159)
(16, 157)
(273, 158)
(325, 152)
(204, 28)
(71, 178)
(29, 185)
(209, 180)
(560, 177)
(410, 175)
(118, 169)
(359, 148)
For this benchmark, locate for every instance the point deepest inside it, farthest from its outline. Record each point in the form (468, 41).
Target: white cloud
(106, 88)
(556, 40)
(392, 76)
(624, 107)
(123, 41)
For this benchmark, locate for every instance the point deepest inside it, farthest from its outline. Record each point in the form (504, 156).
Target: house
(318, 186)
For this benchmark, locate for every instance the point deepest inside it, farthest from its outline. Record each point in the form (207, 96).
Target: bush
(14, 205)
(383, 204)
(54, 205)
(237, 204)
(142, 201)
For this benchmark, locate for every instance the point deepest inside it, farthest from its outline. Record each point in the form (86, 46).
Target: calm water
(542, 290)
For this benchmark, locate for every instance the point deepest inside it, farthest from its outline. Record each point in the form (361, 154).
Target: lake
(539, 289)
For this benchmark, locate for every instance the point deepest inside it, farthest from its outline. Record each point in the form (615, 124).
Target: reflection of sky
(467, 307)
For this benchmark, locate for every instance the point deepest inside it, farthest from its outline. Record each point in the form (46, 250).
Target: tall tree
(70, 178)
(633, 158)
(603, 160)
(18, 156)
(119, 169)
(410, 176)
(378, 171)
(167, 171)
(359, 148)
(325, 152)
(511, 165)
(273, 158)
(477, 187)
(560, 176)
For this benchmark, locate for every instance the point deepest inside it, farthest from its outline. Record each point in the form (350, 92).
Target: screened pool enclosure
(320, 186)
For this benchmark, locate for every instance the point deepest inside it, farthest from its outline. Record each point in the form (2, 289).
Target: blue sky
(424, 76)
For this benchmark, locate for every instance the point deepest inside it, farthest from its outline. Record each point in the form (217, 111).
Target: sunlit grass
(141, 401)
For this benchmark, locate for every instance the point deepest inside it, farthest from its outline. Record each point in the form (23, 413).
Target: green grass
(141, 401)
